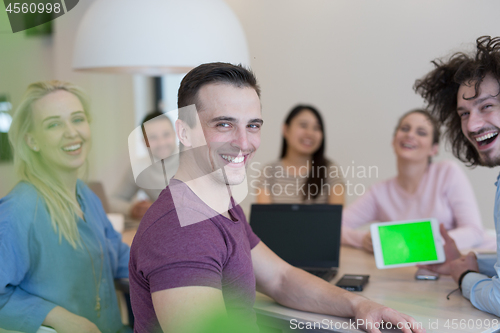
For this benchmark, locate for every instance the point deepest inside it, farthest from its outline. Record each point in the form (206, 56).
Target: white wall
(22, 60)
(356, 60)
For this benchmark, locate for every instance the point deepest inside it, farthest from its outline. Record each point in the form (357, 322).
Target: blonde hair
(62, 205)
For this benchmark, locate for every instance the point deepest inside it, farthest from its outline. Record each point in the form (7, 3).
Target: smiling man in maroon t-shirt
(194, 253)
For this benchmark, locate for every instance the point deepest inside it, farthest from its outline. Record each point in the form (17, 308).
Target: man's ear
(183, 133)
(31, 142)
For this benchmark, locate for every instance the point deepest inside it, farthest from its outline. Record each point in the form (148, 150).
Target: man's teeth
(407, 145)
(232, 159)
(486, 136)
(72, 148)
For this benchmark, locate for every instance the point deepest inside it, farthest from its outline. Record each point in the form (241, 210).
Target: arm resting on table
(483, 292)
(298, 289)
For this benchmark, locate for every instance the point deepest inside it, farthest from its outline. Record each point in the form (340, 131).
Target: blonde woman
(58, 250)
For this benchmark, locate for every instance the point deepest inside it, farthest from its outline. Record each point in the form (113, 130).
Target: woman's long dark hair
(318, 159)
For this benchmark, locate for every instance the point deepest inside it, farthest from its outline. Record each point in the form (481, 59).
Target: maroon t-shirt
(214, 252)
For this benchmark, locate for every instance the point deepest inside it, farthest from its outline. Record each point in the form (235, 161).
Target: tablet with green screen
(407, 243)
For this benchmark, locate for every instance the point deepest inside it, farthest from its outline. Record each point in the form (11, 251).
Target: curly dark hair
(439, 88)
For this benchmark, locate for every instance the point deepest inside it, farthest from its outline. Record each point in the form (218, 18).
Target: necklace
(96, 281)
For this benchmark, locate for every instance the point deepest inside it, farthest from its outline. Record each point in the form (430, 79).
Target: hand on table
(64, 321)
(367, 243)
(460, 265)
(371, 313)
(451, 252)
(139, 209)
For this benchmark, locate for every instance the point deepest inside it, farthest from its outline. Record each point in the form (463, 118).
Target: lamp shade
(154, 37)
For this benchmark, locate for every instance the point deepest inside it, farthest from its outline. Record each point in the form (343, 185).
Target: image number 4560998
(33, 8)
(31, 13)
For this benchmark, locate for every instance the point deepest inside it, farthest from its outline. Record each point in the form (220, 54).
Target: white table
(396, 288)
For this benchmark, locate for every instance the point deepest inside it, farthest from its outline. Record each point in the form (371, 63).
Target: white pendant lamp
(155, 37)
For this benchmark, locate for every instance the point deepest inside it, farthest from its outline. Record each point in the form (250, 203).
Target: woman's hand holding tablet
(407, 243)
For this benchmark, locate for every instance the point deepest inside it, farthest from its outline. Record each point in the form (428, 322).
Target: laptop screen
(302, 235)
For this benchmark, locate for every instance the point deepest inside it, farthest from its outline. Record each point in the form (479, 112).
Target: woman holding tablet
(59, 252)
(421, 189)
(303, 174)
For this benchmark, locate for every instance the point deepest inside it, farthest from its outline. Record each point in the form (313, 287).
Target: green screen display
(407, 243)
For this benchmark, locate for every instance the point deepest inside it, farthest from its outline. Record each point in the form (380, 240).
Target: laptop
(305, 236)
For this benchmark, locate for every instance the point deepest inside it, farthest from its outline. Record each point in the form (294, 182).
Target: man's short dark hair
(439, 88)
(155, 114)
(152, 115)
(216, 72)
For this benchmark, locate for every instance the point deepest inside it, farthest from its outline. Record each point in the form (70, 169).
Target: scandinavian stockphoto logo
(275, 180)
(214, 171)
(31, 13)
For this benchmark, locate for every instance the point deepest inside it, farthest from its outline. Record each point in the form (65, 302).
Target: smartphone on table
(353, 282)
(424, 274)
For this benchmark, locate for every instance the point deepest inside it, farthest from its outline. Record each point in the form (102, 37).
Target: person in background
(302, 174)
(160, 139)
(59, 252)
(421, 189)
(464, 92)
(194, 254)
